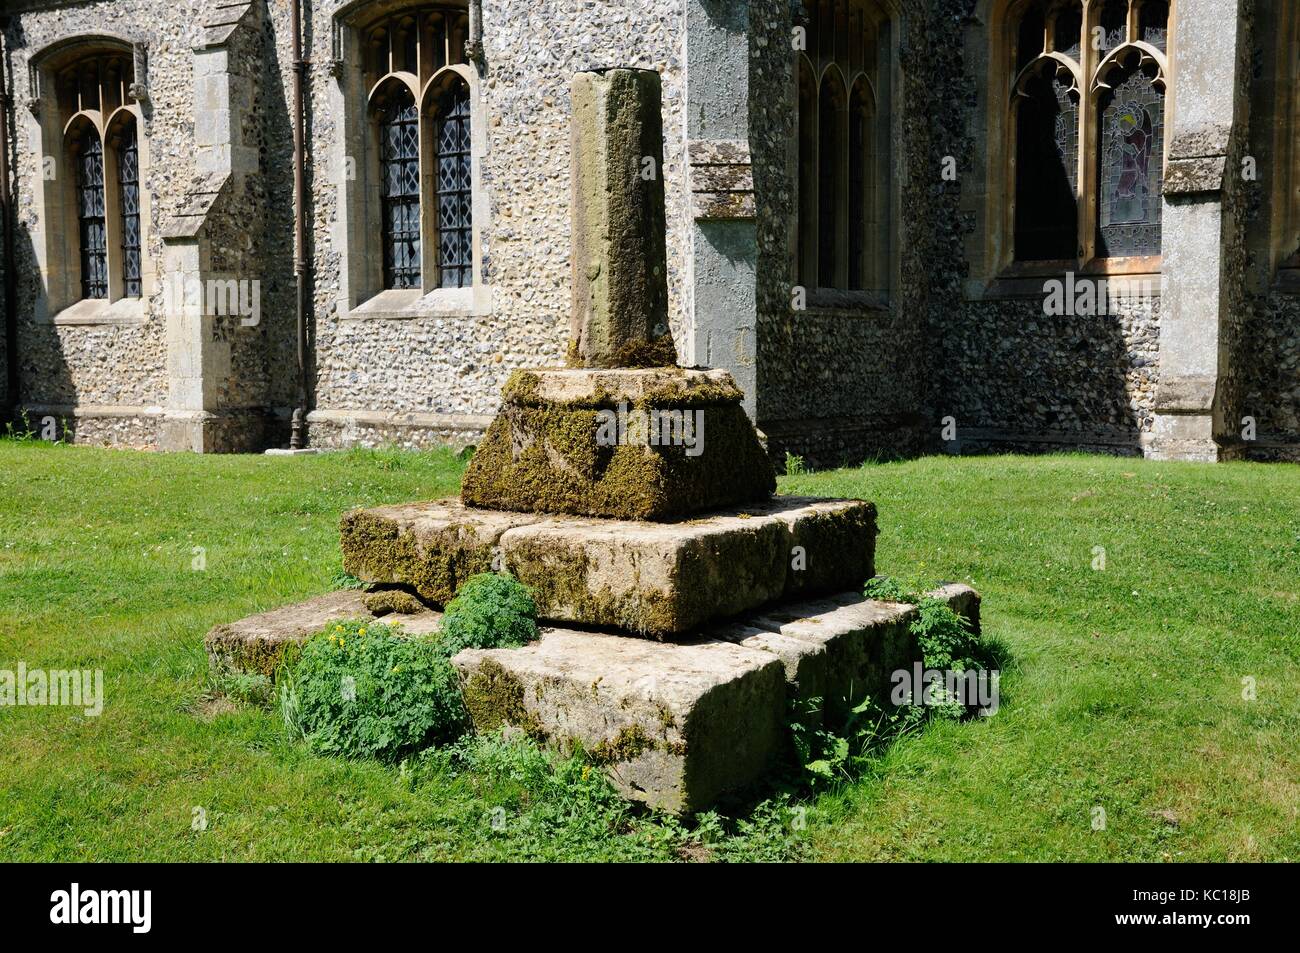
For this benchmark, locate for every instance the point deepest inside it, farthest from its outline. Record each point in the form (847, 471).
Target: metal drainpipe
(298, 426)
(13, 394)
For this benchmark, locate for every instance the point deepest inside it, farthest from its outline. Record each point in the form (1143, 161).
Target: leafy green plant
(548, 806)
(345, 580)
(947, 643)
(362, 690)
(794, 465)
(20, 434)
(826, 757)
(945, 638)
(246, 688)
(490, 611)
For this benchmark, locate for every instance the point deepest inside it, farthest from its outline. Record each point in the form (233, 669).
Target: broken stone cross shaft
(620, 283)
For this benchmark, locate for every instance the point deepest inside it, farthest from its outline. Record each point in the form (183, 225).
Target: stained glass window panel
(1154, 23)
(1130, 176)
(1114, 24)
(1047, 172)
(1069, 31)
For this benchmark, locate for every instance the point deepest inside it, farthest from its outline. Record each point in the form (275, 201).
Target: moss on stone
(628, 744)
(398, 601)
(661, 352)
(547, 459)
(494, 699)
(376, 550)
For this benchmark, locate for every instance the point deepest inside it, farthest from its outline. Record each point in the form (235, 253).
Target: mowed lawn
(1123, 708)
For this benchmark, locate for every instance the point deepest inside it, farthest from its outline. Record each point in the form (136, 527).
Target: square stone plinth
(647, 444)
(660, 579)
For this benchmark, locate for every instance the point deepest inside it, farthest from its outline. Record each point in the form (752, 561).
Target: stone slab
(844, 648)
(256, 645)
(676, 726)
(660, 579)
(680, 725)
(573, 387)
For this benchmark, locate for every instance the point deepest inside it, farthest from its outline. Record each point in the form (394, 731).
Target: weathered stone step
(256, 645)
(661, 579)
(677, 725)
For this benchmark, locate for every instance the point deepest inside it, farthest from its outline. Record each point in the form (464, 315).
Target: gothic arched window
(90, 199)
(842, 234)
(1088, 100)
(414, 67)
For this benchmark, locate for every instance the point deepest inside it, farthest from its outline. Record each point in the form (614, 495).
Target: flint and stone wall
(833, 383)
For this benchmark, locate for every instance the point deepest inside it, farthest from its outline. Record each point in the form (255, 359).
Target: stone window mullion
(1090, 58)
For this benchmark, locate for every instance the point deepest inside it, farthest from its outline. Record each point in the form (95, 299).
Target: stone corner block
(676, 726)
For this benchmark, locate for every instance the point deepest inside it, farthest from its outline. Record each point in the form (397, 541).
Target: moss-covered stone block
(430, 548)
(650, 444)
(658, 579)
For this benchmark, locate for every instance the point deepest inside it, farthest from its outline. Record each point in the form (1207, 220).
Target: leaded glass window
(92, 96)
(399, 139)
(128, 191)
(1130, 168)
(842, 238)
(422, 102)
(90, 216)
(453, 169)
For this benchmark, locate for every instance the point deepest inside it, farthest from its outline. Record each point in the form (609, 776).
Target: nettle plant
(947, 643)
(362, 689)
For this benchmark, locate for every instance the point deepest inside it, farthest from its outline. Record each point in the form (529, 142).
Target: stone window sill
(124, 312)
(1027, 279)
(412, 304)
(840, 303)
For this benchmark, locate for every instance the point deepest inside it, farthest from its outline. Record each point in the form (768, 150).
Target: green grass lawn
(1125, 691)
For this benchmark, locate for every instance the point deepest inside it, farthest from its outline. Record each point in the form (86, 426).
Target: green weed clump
(362, 689)
(490, 611)
(947, 643)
